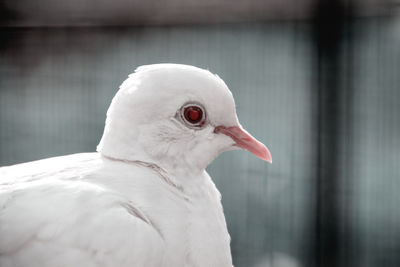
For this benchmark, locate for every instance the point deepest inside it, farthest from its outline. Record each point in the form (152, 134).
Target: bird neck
(177, 177)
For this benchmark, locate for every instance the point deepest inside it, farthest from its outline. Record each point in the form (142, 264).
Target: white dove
(145, 198)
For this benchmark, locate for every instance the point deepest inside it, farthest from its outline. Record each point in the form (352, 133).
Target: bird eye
(194, 115)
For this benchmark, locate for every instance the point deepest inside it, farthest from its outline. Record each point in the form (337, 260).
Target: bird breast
(190, 219)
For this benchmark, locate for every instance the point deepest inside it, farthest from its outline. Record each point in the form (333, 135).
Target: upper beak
(244, 140)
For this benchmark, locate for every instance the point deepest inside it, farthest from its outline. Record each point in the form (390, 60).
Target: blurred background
(317, 81)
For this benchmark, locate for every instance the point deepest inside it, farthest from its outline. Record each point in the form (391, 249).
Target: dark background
(317, 81)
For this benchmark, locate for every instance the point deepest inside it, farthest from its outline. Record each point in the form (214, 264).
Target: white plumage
(145, 198)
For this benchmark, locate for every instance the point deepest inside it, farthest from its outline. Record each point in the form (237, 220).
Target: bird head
(174, 116)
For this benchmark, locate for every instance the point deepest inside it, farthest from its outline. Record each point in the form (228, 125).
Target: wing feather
(74, 223)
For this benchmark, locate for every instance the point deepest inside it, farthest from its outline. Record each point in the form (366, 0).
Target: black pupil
(193, 114)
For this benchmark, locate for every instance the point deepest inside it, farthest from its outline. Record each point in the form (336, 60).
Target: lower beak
(245, 141)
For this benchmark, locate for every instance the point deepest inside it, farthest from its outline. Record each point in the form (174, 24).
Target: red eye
(193, 114)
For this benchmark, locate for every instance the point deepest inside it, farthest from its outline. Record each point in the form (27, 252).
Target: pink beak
(244, 140)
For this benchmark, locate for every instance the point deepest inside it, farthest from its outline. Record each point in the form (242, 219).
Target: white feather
(143, 200)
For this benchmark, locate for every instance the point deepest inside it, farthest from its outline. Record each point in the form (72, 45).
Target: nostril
(219, 129)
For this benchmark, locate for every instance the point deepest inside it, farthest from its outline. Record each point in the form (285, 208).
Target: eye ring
(193, 115)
